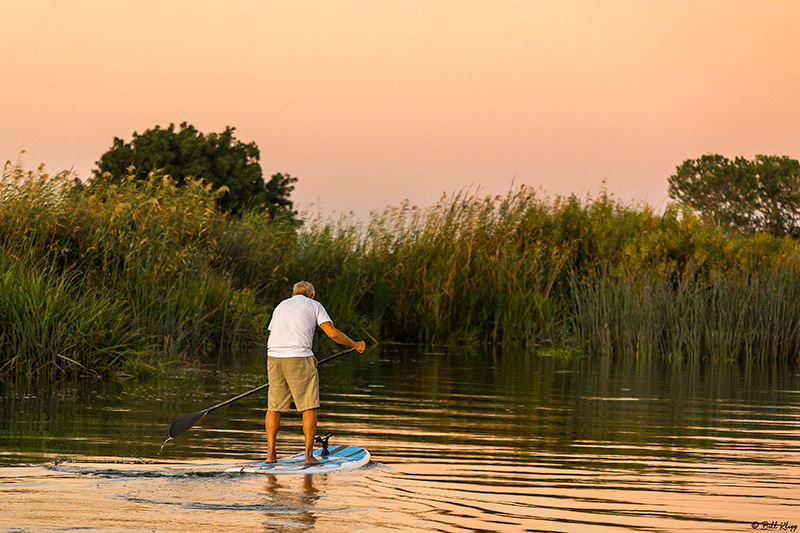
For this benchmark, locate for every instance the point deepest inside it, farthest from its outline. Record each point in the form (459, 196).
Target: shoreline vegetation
(119, 278)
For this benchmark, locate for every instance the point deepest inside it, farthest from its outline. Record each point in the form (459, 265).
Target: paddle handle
(334, 356)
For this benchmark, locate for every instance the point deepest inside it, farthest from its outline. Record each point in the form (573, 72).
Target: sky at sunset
(369, 103)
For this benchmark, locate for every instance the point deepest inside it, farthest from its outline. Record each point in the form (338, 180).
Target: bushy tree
(219, 158)
(758, 195)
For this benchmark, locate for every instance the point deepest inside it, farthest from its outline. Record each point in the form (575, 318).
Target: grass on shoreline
(130, 275)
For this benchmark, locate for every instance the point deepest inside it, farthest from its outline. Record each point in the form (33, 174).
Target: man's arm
(339, 337)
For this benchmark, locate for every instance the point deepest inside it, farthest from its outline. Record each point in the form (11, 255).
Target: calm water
(459, 441)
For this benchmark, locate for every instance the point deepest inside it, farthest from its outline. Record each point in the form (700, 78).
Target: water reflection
(463, 441)
(291, 510)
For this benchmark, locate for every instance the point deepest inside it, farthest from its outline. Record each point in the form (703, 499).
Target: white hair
(304, 288)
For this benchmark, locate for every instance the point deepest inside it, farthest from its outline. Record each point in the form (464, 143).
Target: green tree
(219, 158)
(758, 195)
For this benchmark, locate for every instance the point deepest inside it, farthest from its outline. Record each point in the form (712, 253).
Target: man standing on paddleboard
(291, 365)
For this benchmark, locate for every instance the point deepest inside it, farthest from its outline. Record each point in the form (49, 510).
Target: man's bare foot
(312, 461)
(271, 458)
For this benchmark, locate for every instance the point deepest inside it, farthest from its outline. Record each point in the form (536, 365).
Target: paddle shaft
(265, 385)
(182, 425)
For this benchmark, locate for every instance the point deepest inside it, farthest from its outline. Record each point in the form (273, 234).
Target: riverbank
(121, 278)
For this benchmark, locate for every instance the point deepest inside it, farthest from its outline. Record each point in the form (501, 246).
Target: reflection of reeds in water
(128, 274)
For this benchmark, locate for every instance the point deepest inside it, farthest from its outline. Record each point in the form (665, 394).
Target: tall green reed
(465, 270)
(179, 279)
(730, 316)
(50, 326)
(150, 248)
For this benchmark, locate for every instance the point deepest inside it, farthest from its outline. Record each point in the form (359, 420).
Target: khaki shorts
(292, 378)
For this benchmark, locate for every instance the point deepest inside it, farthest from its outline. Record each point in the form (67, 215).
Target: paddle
(182, 425)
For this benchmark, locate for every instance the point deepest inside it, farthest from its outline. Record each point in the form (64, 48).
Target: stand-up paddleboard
(338, 458)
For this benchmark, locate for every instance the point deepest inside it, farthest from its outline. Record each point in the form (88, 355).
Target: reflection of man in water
(287, 506)
(291, 365)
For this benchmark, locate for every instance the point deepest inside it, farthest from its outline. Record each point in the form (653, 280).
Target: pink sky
(369, 103)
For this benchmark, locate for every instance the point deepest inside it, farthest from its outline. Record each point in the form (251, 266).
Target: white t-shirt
(291, 329)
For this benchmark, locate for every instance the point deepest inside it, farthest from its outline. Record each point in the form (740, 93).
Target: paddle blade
(182, 425)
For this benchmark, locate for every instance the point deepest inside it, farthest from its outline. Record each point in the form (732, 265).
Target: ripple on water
(461, 443)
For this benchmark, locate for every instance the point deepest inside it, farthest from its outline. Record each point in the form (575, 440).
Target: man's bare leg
(272, 422)
(309, 432)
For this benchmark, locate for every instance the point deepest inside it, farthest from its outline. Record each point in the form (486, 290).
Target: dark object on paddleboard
(324, 441)
(339, 458)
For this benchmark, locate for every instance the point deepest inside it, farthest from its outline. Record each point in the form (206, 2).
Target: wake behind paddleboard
(338, 458)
